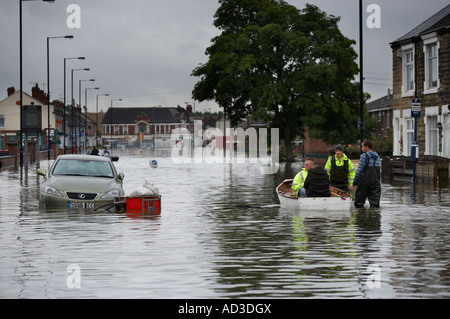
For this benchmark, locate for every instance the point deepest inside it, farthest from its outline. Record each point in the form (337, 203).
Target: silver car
(80, 181)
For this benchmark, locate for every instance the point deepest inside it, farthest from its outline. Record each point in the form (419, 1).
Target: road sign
(31, 119)
(415, 108)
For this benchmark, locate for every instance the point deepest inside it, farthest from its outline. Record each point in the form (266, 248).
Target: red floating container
(143, 205)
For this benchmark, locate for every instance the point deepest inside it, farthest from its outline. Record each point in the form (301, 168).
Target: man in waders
(367, 177)
(340, 169)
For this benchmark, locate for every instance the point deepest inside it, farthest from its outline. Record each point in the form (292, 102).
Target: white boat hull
(324, 203)
(288, 202)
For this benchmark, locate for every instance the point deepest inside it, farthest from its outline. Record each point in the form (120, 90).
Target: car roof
(84, 157)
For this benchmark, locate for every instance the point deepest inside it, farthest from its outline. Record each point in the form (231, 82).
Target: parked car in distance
(80, 181)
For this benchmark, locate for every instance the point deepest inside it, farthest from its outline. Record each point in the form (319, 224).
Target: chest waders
(369, 186)
(339, 175)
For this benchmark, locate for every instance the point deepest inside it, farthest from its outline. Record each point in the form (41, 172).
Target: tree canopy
(290, 67)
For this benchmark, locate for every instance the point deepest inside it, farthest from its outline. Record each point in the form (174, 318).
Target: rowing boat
(286, 195)
(339, 199)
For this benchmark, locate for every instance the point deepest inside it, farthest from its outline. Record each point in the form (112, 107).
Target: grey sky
(144, 51)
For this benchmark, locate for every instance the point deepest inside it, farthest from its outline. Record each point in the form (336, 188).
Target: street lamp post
(96, 119)
(48, 88)
(112, 122)
(79, 115)
(154, 126)
(21, 80)
(73, 106)
(64, 117)
(85, 113)
(361, 76)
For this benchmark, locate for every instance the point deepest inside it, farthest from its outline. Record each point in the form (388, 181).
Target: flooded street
(222, 234)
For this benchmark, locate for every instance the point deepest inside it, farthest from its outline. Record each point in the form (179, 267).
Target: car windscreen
(74, 167)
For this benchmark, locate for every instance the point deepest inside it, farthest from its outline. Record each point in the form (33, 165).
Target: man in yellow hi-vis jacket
(299, 179)
(340, 169)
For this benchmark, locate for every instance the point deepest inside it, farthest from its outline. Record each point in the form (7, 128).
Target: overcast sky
(144, 51)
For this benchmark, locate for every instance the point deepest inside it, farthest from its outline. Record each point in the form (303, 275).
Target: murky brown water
(222, 234)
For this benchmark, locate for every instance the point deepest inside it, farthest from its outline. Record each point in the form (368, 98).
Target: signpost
(415, 108)
(415, 113)
(31, 123)
(31, 119)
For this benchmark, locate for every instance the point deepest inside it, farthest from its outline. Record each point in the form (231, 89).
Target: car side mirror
(121, 176)
(41, 171)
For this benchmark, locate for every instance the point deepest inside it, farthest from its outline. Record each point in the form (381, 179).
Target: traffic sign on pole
(415, 108)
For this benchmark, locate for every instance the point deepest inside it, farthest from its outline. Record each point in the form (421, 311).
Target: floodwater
(221, 234)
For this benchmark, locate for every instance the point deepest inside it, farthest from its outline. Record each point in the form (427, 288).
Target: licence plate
(81, 205)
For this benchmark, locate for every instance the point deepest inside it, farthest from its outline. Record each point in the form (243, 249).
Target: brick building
(151, 126)
(421, 69)
(381, 111)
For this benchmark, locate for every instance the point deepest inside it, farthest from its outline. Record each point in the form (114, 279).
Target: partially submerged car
(80, 181)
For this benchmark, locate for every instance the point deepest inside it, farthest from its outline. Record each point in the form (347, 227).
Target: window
(431, 120)
(409, 136)
(125, 129)
(2, 121)
(397, 133)
(408, 84)
(409, 71)
(431, 61)
(116, 129)
(83, 168)
(432, 74)
(446, 133)
(142, 127)
(432, 139)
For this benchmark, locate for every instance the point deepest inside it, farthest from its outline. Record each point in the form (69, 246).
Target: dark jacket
(317, 183)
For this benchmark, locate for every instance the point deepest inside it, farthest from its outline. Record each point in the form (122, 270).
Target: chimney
(11, 90)
(189, 109)
(38, 94)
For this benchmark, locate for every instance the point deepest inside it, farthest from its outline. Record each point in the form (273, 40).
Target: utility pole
(361, 76)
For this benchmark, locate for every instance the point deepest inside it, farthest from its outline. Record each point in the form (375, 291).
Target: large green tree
(291, 67)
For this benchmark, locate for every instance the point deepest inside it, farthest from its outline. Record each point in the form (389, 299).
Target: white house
(10, 116)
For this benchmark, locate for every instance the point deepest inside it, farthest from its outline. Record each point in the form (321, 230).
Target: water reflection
(222, 233)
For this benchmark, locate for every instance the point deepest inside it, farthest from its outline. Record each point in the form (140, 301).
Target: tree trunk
(287, 145)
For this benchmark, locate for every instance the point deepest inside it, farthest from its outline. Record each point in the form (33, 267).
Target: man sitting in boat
(340, 169)
(299, 179)
(317, 183)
